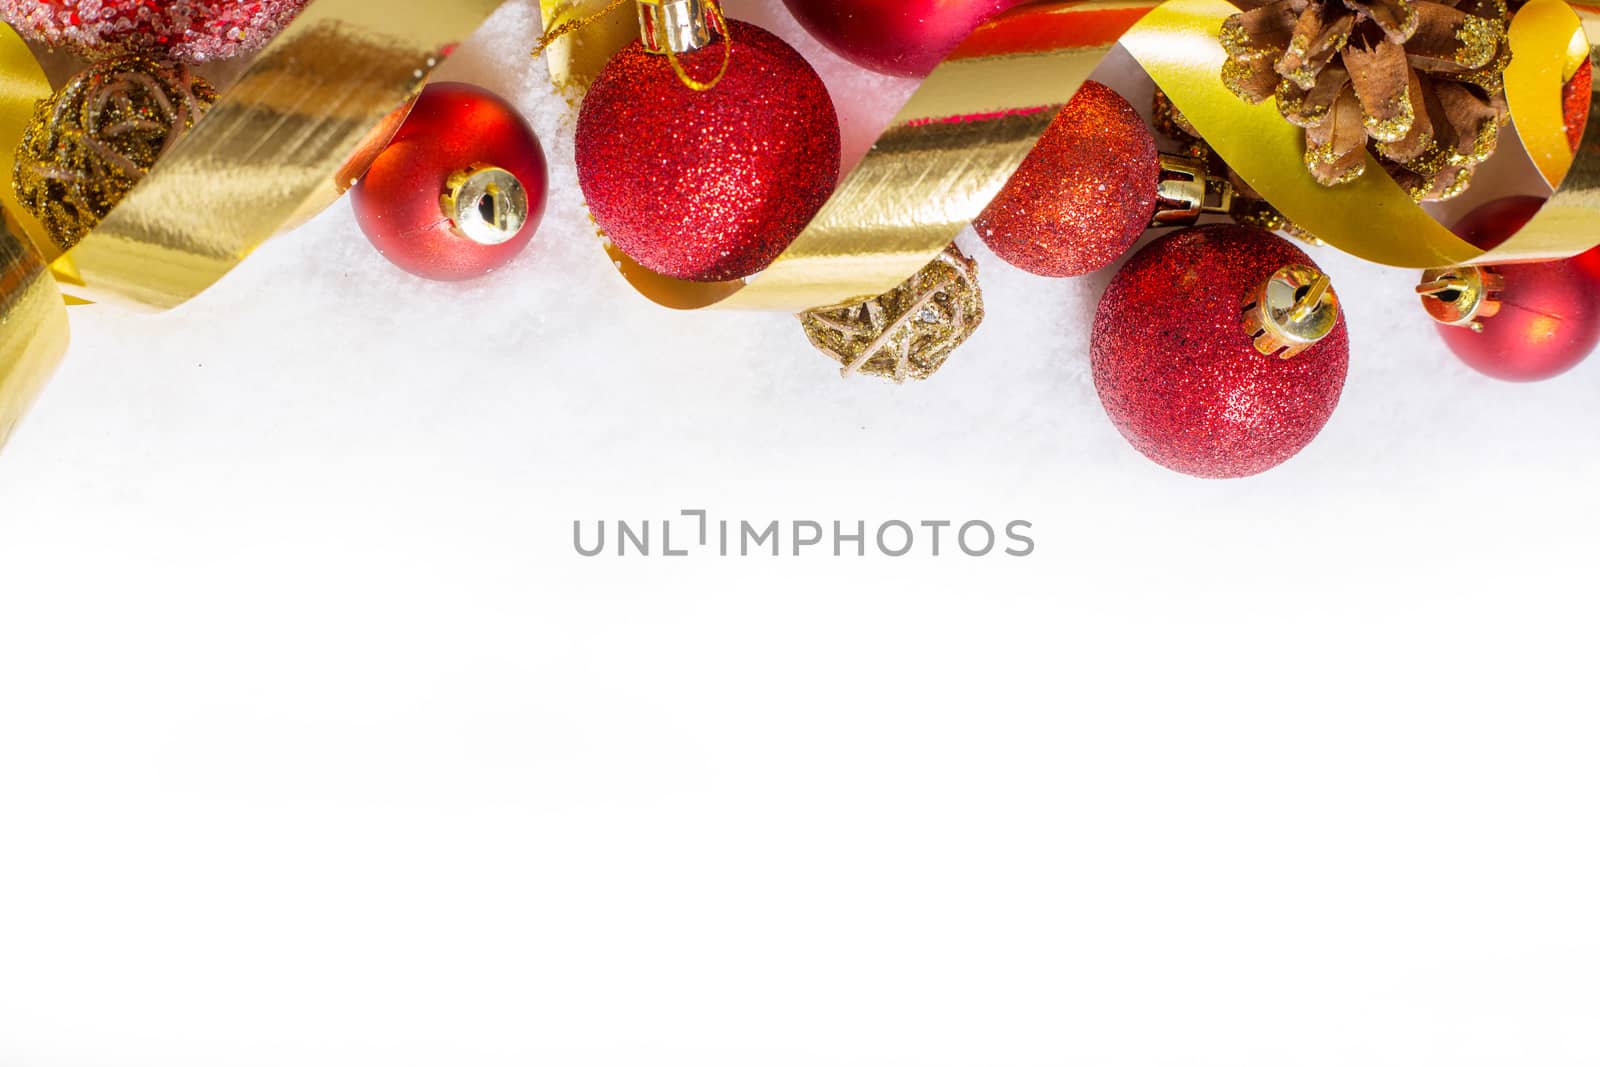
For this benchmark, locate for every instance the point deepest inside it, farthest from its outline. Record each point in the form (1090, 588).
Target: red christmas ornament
(195, 31)
(1519, 322)
(1083, 196)
(1220, 352)
(708, 184)
(903, 37)
(1575, 101)
(459, 191)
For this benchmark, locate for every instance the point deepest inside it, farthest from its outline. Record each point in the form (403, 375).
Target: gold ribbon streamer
(33, 319)
(978, 115)
(33, 326)
(285, 141)
(1534, 86)
(1569, 222)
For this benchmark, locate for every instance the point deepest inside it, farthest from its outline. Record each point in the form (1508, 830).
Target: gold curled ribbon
(285, 141)
(978, 115)
(33, 326)
(33, 318)
(1534, 85)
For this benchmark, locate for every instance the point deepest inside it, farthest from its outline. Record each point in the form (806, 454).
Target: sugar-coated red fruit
(907, 38)
(711, 185)
(454, 128)
(1083, 196)
(1176, 369)
(194, 31)
(1549, 319)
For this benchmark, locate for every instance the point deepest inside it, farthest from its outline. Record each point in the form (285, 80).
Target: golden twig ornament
(909, 331)
(99, 135)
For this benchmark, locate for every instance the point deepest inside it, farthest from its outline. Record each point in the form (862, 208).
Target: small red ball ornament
(1220, 352)
(708, 184)
(460, 190)
(195, 31)
(902, 37)
(1083, 196)
(1519, 322)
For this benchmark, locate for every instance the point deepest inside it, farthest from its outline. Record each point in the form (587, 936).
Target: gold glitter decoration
(909, 331)
(92, 141)
(1410, 80)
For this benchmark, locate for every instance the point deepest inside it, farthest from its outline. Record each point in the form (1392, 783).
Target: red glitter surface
(708, 186)
(1575, 98)
(1549, 319)
(1177, 372)
(195, 31)
(1083, 196)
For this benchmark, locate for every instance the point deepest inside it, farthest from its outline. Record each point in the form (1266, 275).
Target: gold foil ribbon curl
(977, 116)
(33, 318)
(285, 141)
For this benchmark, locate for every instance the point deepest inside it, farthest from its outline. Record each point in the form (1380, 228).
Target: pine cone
(1419, 82)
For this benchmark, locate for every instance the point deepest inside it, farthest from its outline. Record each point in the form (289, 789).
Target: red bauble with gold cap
(460, 190)
(701, 171)
(1519, 322)
(902, 37)
(1220, 352)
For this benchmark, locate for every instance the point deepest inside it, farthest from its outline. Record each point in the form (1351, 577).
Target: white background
(321, 746)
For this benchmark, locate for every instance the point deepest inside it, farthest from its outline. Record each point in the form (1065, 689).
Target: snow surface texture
(322, 746)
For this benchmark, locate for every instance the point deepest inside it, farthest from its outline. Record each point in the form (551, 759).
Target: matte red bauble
(1083, 196)
(195, 31)
(1519, 322)
(1220, 352)
(903, 37)
(459, 191)
(708, 185)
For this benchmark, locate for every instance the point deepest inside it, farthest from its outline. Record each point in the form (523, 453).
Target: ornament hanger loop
(690, 16)
(666, 27)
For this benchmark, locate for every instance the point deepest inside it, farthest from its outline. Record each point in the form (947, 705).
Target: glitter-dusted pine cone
(90, 143)
(1417, 82)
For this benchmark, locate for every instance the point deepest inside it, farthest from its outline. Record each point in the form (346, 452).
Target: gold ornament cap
(674, 26)
(1291, 311)
(488, 205)
(1186, 190)
(1462, 296)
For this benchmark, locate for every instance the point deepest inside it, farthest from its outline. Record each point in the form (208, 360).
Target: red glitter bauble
(1575, 101)
(1549, 318)
(1083, 196)
(713, 185)
(903, 37)
(195, 31)
(1176, 369)
(437, 202)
